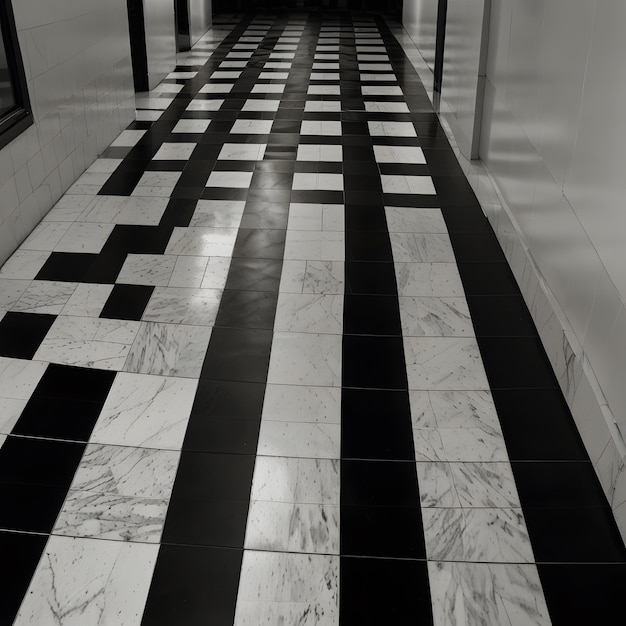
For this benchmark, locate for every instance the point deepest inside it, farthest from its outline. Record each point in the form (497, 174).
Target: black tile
(123, 181)
(254, 274)
(238, 354)
(247, 309)
(271, 180)
(371, 315)
(205, 523)
(414, 200)
(265, 215)
(442, 163)
(487, 279)
(382, 531)
(452, 190)
(466, 220)
(362, 182)
(127, 239)
(557, 484)
(384, 591)
(193, 586)
(261, 244)
(373, 362)
(21, 334)
(579, 595)
(372, 246)
(23, 552)
(211, 476)
(228, 399)
(370, 278)
(362, 169)
(364, 198)
(77, 383)
(574, 535)
(501, 316)
(477, 248)
(39, 461)
(516, 362)
(66, 266)
(127, 302)
(376, 424)
(379, 483)
(58, 418)
(178, 212)
(30, 508)
(363, 217)
(222, 434)
(524, 413)
(319, 197)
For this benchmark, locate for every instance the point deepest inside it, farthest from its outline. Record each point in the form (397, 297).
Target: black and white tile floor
(265, 363)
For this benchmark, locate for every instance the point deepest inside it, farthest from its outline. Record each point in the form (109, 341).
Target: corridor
(265, 363)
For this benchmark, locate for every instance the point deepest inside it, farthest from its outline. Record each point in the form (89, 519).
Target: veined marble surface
(299, 439)
(280, 588)
(292, 403)
(89, 581)
(313, 277)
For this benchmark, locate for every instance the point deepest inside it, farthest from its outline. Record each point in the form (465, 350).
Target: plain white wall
(77, 61)
(160, 25)
(554, 137)
(419, 18)
(200, 18)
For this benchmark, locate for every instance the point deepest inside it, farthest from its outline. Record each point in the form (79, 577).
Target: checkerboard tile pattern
(250, 370)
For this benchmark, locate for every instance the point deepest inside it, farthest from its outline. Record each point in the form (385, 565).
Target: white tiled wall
(551, 180)
(77, 61)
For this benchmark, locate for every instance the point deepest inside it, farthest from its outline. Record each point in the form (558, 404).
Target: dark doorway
(138, 52)
(442, 13)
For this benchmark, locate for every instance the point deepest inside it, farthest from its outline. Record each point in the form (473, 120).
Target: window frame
(20, 117)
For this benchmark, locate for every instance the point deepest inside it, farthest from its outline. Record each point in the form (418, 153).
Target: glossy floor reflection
(265, 363)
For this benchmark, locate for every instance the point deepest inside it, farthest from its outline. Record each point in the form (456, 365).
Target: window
(15, 113)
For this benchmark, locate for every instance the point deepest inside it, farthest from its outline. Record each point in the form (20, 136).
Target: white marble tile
(317, 152)
(188, 271)
(133, 210)
(167, 88)
(225, 74)
(268, 88)
(168, 350)
(181, 75)
(87, 300)
(291, 403)
(223, 87)
(254, 127)
(146, 411)
(261, 105)
(174, 151)
(111, 516)
(148, 116)
(218, 213)
(487, 593)
(442, 363)
(309, 313)
(159, 178)
(322, 106)
(18, 377)
(296, 480)
(407, 184)
(235, 180)
(287, 527)
(453, 409)
(481, 535)
(43, 296)
(489, 485)
(24, 264)
(10, 411)
(182, 305)
(127, 471)
(421, 248)
(281, 588)
(435, 317)
(242, 151)
(88, 342)
(305, 359)
(428, 445)
(128, 138)
(204, 105)
(89, 581)
(387, 107)
(299, 439)
(46, 236)
(321, 127)
(315, 246)
(216, 273)
(70, 207)
(202, 241)
(11, 290)
(473, 444)
(412, 220)
(436, 485)
(147, 269)
(321, 277)
(330, 76)
(428, 279)
(278, 65)
(376, 90)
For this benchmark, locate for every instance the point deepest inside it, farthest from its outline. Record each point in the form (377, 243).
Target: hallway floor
(265, 363)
